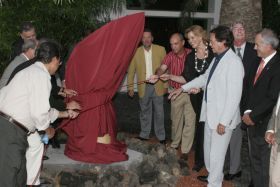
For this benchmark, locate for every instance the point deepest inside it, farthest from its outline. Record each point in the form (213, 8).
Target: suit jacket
(250, 62)
(16, 48)
(223, 91)
(10, 68)
(274, 123)
(138, 66)
(262, 96)
(21, 67)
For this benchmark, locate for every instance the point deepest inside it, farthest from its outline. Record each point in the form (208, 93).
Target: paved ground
(128, 121)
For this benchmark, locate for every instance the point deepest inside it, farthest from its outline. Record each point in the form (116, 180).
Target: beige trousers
(274, 170)
(183, 122)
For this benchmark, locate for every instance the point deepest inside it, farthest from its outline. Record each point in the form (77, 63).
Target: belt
(15, 122)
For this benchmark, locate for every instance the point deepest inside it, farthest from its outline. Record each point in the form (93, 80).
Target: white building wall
(212, 16)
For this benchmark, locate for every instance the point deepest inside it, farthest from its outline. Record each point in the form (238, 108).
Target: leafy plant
(63, 20)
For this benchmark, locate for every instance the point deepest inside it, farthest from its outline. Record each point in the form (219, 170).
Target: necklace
(203, 61)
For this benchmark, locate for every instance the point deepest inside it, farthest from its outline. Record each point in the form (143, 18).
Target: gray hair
(26, 26)
(269, 37)
(29, 44)
(237, 22)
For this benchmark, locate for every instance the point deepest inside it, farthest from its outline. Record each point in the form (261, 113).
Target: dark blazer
(250, 62)
(263, 95)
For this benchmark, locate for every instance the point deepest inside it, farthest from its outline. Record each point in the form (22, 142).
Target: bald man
(182, 113)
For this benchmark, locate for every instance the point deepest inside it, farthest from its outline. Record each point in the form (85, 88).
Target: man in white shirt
(144, 63)
(24, 107)
(272, 136)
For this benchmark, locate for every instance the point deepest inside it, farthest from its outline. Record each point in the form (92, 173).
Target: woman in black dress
(196, 64)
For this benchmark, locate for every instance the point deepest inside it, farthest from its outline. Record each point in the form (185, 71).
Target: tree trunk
(247, 11)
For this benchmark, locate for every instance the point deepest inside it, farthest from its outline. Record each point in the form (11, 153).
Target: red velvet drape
(95, 70)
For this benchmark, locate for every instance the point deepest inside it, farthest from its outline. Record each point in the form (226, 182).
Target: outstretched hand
(65, 92)
(153, 79)
(194, 91)
(165, 77)
(175, 93)
(72, 114)
(73, 105)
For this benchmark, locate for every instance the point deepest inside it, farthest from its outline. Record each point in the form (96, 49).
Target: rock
(158, 166)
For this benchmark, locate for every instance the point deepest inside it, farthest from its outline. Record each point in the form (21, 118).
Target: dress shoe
(45, 157)
(55, 144)
(142, 139)
(251, 184)
(183, 163)
(184, 156)
(197, 167)
(162, 142)
(203, 178)
(174, 147)
(230, 177)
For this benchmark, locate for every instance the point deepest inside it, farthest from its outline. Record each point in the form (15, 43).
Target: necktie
(261, 66)
(210, 75)
(238, 49)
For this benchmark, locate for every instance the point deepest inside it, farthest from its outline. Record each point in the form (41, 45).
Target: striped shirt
(175, 65)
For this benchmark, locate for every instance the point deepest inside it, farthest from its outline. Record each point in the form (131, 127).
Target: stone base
(58, 161)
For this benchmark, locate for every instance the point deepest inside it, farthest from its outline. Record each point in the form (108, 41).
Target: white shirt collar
(268, 58)
(149, 50)
(43, 67)
(25, 56)
(242, 46)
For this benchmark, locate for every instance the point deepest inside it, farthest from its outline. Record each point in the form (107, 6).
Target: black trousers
(13, 145)
(196, 100)
(260, 157)
(198, 146)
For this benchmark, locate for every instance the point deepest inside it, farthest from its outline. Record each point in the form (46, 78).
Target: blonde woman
(196, 64)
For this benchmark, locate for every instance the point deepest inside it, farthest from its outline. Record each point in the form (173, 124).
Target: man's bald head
(177, 43)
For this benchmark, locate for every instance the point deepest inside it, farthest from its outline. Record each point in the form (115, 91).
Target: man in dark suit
(27, 31)
(263, 90)
(245, 51)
